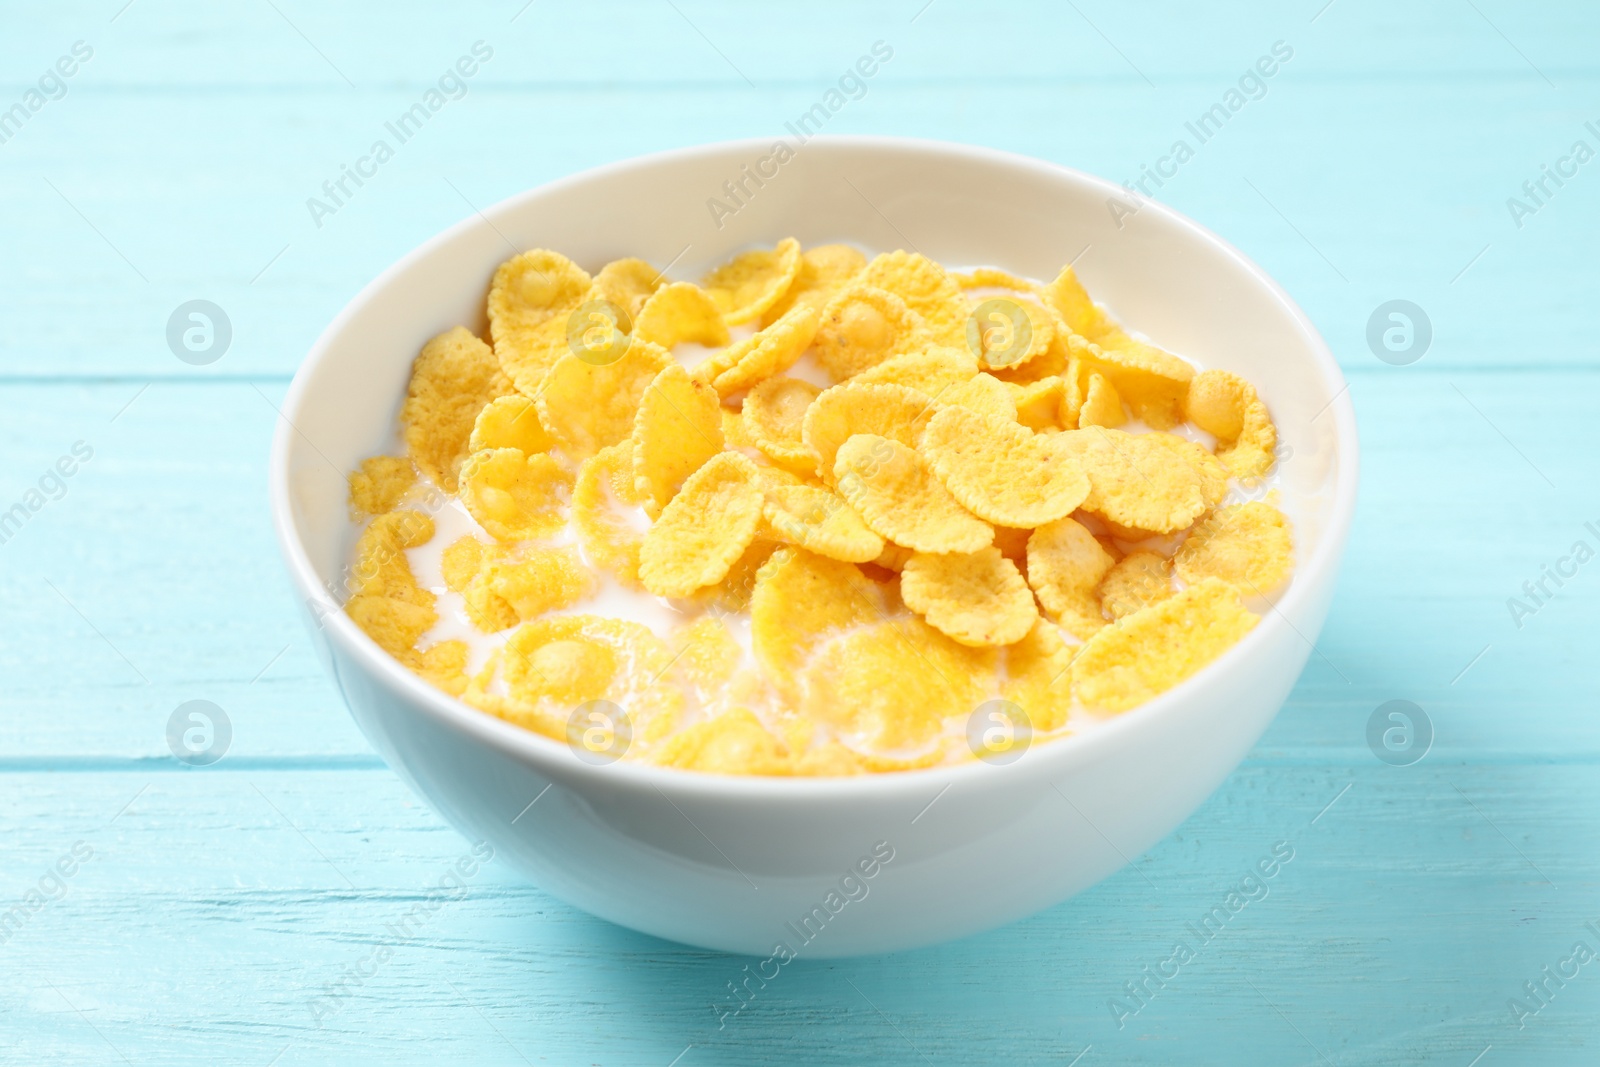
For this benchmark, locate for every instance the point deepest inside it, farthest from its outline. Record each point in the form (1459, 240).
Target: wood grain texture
(222, 906)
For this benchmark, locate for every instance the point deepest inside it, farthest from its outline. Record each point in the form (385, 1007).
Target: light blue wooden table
(233, 913)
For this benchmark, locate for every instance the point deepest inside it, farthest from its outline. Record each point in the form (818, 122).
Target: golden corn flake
(772, 416)
(704, 529)
(1001, 471)
(379, 484)
(1134, 481)
(1102, 406)
(530, 301)
(451, 381)
(824, 271)
(752, 282)
(926, 289)
(587, 406)
(990, 278)
(799, 601)
(1213, 475)
(381, 567)
(863, 326)
(1065, 567)
(677, 429)
(771, 351)
(705, 657)
(627, 283)
(1067, 296)
(1227, 407)
(983, 394)
(1148, 652)
(928, 370)
(1039, 403)
(1153, 382)
(1012, 541)
(839, 413)
(887, 687)
(1247, 545)
(462, 559)
(601, 498)
(1007, 334)
(510, 422)
(551, 666)
(678, 313)
(733, 592)
(734, 742)
(540, 580)
(1036, 678)
(444, 665)
(395, 625)
(898, 496)
(978, 598)
(515, 497)
(1136, 581)
(821, 521)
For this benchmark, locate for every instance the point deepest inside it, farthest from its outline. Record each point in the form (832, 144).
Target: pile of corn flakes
(974, 491)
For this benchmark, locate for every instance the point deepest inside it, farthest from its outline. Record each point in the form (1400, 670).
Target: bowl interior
(1159, 273)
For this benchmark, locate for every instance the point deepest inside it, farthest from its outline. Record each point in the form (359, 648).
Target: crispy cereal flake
(900, 499)
(627, 283)
(843, 411)
(378, 485)
(926, 289)
(510, 422)
(1002, 471)
(588, 406)
(1226, 406)
(704, 529)
(604, 511)
(530, 301)
(1148, 652)
(451, 381)
(1036, 677)
(819, 520)
(515, 497)
(862, 327)
(978, 598)
(677, 429)
(677, 313)
(773, 415)
(800, 600)
(752, 282)
(824, 271)
(1246, 545)
(1136, 581)
(1134, 481)
(928, 370)
(1065, 567)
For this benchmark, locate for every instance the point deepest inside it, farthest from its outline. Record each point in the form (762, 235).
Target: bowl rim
(555, 759)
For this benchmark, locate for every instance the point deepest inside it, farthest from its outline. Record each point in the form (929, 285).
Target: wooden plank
(1350, 194)
(218, 909)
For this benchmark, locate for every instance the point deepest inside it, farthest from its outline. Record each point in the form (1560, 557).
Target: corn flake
(819, 520)
(510, 422)
(1148, 652)
(1007, 334)
(898, 496)
(1036, 677)
(1134, 481)
(1136, 581)
(800, 600)
(1065, 567)
(772, 417)
(1001, 471)
(530, 301)
(863, 326)
(839, 413)
(601, 498)
(983, 394)
(824, 271)
(927, 370)
(379, 484)
(1102, 406)
(926, 289)
(979, 598)
(1246, 545)
(627, 283)
(451, 381)
(752, 282)
(1227, 407)
(1153, 382)
(678, 313)
(677, 429)
(761, 355)
(1039, 403)
(515, 497)
(704, 529)
(887, 687)
(587, 406)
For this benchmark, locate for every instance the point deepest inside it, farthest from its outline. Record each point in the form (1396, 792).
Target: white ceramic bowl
(746, 864)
